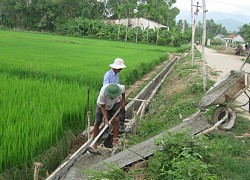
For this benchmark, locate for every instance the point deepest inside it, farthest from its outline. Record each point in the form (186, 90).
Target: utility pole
(203, 46)
(193, 17)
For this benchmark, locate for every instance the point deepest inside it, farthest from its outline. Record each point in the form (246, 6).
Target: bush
(99, 29)
(216, 42)
(180, 157)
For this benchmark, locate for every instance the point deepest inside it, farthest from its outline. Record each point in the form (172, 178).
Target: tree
(44, 14)
(69, 9)
(7, 14)
(245, 32)
(212, 29)
(92, 9)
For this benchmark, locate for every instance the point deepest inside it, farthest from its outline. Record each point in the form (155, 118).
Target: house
(236, 38)
(141, 22)
(221, 38)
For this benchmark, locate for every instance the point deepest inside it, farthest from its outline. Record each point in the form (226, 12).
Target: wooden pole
(37, 166)
(88, 114)
(194, 15)
(104, 128)
(203, 47)
(142, 100)
(215, 126)
(192, 23)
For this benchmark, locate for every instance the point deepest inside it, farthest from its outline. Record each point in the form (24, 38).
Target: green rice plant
(35, 114)
(73, 59)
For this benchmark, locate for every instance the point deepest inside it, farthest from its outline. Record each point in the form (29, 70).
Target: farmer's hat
(118, 64)
(112, 90)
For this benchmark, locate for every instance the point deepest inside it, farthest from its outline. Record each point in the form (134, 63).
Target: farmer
(111, 97)
(112, 76)
(239, 50)
(246, 46)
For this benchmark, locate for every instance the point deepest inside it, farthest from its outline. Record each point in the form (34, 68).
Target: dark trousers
(122, 120)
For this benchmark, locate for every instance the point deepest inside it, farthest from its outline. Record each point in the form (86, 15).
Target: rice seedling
(34, 115)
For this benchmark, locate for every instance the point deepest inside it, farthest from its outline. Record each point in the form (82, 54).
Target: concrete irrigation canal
(73, 167)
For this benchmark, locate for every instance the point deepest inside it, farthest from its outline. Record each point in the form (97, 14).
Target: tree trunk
(136, 40)
(119, 28)
(147, 31)
(126, 36)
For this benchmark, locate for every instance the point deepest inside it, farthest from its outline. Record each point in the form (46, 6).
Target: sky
(239, 7)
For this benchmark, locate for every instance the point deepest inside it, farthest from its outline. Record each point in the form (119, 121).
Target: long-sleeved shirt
(111, 77)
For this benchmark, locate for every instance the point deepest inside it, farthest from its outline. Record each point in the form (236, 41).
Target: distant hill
(232, 22)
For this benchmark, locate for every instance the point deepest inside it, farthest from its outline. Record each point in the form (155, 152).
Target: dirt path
(222, 64)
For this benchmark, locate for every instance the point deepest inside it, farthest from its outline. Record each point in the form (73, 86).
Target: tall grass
(34, 115)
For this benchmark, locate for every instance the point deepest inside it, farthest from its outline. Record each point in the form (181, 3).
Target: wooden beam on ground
(146, 148)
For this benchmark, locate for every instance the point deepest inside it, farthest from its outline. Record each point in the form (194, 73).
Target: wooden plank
(196, 124)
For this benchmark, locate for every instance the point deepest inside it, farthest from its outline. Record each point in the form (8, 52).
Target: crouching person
(110, 99)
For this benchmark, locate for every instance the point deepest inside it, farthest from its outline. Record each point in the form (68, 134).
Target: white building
(236, 38)
(141, 22)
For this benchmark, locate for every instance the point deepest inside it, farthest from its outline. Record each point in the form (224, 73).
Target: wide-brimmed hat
(118, 64)
(113, 90)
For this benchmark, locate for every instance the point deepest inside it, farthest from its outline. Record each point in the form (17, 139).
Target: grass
(231, 154)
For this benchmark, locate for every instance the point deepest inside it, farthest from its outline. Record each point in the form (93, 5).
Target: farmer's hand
(106, 122)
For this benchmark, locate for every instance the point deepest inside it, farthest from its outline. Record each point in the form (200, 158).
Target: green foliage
(212, 29)
(195, 87)
(49, 159)
(217, 42)
(112, 172)
(183, 48)
(245, 32)
(180, 157)
(101, 30)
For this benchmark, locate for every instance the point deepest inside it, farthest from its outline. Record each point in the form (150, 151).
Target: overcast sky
(241, 7)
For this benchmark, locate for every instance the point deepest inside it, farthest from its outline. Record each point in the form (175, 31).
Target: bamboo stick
(104, 128)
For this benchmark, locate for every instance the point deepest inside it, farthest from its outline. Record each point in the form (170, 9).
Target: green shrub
(180, 157)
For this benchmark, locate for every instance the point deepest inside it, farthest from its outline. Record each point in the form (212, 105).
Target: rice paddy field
(44, 82)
